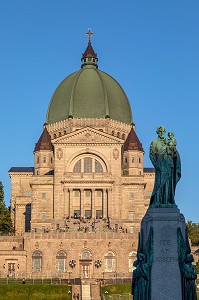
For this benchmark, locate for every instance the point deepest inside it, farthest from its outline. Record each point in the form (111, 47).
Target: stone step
(86, 291)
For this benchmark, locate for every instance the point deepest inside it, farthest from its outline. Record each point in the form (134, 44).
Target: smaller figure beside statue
(166, 160)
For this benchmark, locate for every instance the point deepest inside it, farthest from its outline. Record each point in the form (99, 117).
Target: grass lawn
(34, 292)
(119, 289)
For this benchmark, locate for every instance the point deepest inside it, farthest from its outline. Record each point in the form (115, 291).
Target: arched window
(113, 133)
(123, 136)
(98, 167)
(118, 134)
(132, 258)
(61, 261)
(110, 262)
(86, 255)
(77, 167)
(88, 165)
(36, 261)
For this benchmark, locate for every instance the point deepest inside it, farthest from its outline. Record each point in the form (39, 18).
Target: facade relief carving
(116, 153)
(59, 153)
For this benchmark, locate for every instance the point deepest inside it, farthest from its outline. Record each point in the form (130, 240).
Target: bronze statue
(166, 160)
(141, 275)
(188, 271)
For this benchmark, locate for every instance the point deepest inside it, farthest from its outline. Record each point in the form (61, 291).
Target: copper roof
(44, 142)
(22, 169)
(89, 52)
(149, 170)
(132, 142)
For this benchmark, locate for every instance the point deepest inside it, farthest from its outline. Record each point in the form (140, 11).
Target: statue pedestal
(165, 272)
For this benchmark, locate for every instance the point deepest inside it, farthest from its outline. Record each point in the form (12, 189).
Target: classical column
(70, 202)
(66, 202)
(104, 203)
(93, 203)
(109, 202)
(82, 202)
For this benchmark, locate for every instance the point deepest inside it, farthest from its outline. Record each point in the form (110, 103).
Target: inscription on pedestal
(165, 252)
(165, 273)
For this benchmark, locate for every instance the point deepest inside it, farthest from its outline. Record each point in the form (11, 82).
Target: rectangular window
(87, 193)
(28, 194)
(77, 193)
(131, 196)
(37, 159)
(140, 160)
(131, 229)
(125, 160)
(132, 160)
(44, 159)
(43, 196)
(99, 193)
(11, 267)
(98, 214)
(43, 216)
(131, 216)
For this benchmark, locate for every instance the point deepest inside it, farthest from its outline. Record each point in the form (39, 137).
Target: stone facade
(78, 201)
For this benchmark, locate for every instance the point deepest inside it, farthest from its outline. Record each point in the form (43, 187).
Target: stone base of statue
(165, 272)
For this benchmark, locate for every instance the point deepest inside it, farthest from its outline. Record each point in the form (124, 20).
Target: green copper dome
(89, 93)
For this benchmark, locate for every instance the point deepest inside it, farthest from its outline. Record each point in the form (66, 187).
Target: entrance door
(86, 269)
(11, 269)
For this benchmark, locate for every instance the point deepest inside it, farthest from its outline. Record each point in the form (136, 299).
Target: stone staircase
(86, 292)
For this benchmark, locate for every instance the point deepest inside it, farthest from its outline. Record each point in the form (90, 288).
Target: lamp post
(69, 276)
(106, 294)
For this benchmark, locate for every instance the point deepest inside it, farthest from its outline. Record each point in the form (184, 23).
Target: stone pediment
(88, 135)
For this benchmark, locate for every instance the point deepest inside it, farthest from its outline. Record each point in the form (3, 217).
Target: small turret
(43, 153)
(132, 155)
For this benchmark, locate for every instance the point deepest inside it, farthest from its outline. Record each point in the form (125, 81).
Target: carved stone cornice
(133, 180)
(69, 125)
(87, 181)
(88, 136)
(41, 181)
(20, 174)
(149, 175)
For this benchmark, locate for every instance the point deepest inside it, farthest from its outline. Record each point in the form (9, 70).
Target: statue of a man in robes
(166, 160)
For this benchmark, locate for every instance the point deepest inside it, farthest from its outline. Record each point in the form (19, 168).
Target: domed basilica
(77, 212)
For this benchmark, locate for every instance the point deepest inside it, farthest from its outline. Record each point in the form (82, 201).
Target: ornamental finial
(89, 33)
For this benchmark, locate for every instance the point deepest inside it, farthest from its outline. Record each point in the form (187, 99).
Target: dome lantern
(89, 57)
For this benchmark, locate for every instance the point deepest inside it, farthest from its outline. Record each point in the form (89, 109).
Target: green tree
(193, 232)
(5, 218)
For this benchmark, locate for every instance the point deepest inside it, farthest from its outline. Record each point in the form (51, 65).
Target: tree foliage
(193, 232)
(5, 218)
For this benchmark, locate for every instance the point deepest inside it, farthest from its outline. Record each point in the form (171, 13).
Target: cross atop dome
(89, 33)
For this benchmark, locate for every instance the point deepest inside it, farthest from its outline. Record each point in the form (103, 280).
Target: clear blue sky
(150, 46)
